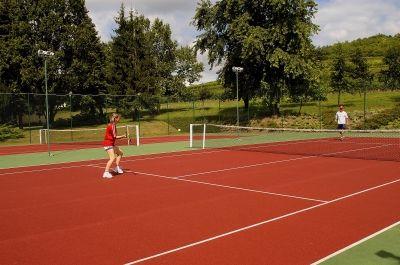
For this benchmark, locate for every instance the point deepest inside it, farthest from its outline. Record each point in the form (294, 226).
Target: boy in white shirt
(342, 119)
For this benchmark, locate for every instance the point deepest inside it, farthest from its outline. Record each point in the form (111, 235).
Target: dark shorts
(341, 126)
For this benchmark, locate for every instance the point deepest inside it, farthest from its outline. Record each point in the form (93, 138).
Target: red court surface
(204, 207)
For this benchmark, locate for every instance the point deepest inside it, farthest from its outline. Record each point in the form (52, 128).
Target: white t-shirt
(341, 117)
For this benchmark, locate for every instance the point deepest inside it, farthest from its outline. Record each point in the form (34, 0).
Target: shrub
(383, 119)
(9, 132)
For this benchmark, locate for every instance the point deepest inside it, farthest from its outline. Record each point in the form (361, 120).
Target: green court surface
(382, 249)
(34, 159)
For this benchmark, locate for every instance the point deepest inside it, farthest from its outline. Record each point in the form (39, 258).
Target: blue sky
(339, 20)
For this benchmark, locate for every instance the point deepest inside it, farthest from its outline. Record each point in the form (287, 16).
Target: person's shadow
(387, 255)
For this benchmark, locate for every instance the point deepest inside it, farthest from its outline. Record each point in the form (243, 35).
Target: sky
(339, 20)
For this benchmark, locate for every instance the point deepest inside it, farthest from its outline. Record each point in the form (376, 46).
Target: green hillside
(373, 48)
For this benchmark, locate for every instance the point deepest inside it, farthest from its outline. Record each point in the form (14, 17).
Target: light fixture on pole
(45, 55)
(237, 70)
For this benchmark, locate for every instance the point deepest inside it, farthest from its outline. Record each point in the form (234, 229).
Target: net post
(40, 136)
(191, 136)
(204, 136)
(137, 135)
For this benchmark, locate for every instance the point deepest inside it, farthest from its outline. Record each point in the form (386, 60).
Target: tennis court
(254, 204)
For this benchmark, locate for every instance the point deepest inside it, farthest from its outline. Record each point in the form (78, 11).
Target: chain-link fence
(165, 116)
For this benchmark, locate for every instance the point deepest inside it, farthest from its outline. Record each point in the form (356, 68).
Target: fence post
(320, 113)
(168, 114)
(191, 136)
(29, 120)
(204, 136)
(70, 113)
(365, 106)
(219, 111)
(193, 112)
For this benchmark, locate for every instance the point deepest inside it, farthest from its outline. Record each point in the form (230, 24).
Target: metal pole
(237, 98)
(365, 105)
(29, 121)
(320, 113)
(47, 107)
(168, 115)
(70, 113)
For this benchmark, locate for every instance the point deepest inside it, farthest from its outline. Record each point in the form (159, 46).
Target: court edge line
(257, 224)
(355, 244)
(224, 186)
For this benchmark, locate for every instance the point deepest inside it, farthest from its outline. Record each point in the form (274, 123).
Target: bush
(383, 119)
(393, 124)
(9, 132)
(79, 120)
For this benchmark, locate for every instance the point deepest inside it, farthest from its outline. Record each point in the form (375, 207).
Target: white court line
(243, 167)
(278, 161)
(166, 156)
(355, 244)
(255, 225)
(224, 186)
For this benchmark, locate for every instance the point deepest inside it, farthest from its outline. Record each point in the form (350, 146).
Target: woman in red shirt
(113, 151)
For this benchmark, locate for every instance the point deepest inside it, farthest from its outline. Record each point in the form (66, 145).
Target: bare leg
(112, 158)
(119, 154)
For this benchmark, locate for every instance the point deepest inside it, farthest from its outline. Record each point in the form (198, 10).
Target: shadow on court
(387, 255)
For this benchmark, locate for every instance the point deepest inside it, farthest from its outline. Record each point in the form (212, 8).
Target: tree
(130, 60)
(145, 63)
(187, 71)
(359, 72)
(269, 39)
(391, 73)
(339, 80)
(63, 27)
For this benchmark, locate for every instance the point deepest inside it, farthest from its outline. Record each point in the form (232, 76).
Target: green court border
(81, 155)
(381, 248)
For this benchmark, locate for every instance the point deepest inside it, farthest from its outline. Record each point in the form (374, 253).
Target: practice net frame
(356, 144)
(89, 136)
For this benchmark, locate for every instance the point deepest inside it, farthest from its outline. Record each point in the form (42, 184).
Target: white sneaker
(107, 175)
(118, 170)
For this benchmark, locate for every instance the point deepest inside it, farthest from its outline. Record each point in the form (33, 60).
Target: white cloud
(177, 13)
(342, 20)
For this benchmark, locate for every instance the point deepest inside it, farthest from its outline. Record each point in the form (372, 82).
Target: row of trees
(141, 60)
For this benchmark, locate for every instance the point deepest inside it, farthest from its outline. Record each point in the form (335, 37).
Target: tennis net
(356, 144)
(92, 136)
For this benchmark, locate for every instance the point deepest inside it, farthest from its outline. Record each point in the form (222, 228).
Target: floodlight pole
(237, 70)
(46, 54)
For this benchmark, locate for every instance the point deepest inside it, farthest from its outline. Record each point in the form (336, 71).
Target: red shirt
(111, 135)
